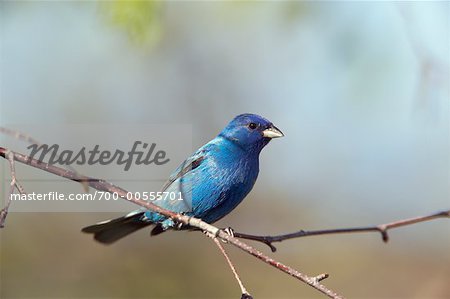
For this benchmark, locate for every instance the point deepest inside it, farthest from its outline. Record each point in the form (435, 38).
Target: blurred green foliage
(141, 20)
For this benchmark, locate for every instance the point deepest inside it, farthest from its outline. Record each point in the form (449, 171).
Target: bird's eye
(252, 126)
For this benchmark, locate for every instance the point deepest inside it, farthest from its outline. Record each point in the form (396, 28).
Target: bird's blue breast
(232, 175)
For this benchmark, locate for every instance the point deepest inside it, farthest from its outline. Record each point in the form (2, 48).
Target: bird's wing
(188, 165)
(179, 185)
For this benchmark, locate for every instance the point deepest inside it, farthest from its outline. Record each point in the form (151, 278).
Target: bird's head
(250, 131)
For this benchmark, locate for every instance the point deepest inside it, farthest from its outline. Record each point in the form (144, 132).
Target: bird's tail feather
(110, 231)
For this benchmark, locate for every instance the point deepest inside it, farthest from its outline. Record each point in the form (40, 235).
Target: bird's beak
(272, 132)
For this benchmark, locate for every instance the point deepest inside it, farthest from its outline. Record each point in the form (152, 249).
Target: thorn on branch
(272, 248)
(383, 231)
(320, 277)
(264, 241)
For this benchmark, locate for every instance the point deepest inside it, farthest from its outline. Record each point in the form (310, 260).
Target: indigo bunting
(213, 181)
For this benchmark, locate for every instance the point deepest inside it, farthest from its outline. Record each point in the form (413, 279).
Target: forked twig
(13, 184)
(381, 228)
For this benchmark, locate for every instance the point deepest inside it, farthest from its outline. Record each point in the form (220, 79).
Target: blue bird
(213, 181)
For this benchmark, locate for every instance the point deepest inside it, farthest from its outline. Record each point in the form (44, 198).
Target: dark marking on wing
(185, 168)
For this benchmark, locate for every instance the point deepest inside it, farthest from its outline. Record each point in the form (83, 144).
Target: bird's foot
(229, 231)
(208, 234)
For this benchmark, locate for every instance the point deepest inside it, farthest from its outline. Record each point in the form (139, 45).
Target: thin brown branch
(18, 135)
(4, 212)
(245, 293)
(102, 185)
(381, 228)
(30, 140)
